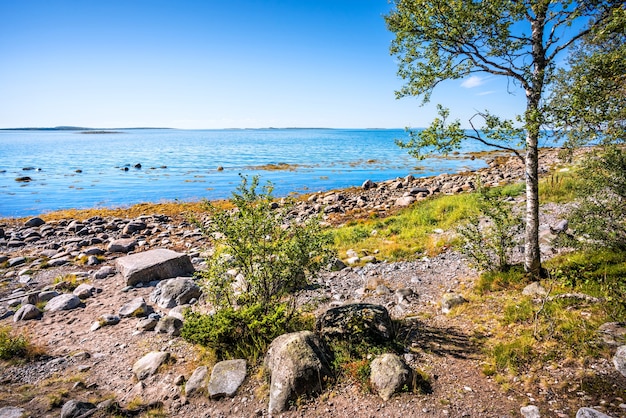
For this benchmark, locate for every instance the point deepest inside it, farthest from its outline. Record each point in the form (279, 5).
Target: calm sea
(70, 169)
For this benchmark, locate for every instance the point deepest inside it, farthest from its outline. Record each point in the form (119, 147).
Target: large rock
(357, 322)
(169, 325)
(590, 413)
(619, 360)
(26, 312)
(13, 412)
(122, 245)
(63, 302)
(197, 381)
(76, 409)
(136, 307)
(34, 222)
(149, 364)
(388, 375)
(530, 411)
(451, 300)
(174, 292)
(226, 378)
(152, 265)
(298, 364)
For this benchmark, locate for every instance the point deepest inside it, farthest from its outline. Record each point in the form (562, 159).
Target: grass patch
(411, 232)
(560, 187)
(15, 346)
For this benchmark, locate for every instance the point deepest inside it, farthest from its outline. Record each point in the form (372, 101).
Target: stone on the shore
(196, 383)
(26, 312)
(63, 302)
(226, 378)
(619, 360)
(404, 201)
(388, 375)
(149, 364)
(298, 364)
(173, 292)
(13, 412)
(76, 409)
(451, 300)
(122, 245)
(34, 222)
(590, 413)
(136, 307)
(358, 322)
(16, 261)
(157, 264)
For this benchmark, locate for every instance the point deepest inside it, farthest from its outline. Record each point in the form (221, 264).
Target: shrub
(271, 254)
(12, 346)
(489, 246)
(600, 218)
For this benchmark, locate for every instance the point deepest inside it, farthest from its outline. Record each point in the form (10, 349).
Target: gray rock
(451, 300)
(388, 375)
(535, 289)
(196, 383)
(619, 360)
(34, 222)
(613, 333)
(109, 319)
(76, 409)
(298, 364)
(149, 364)
(404, 201)
(16, 261)
(26, 312)
(173, 292)
(226, 378)
(133, 227)
(136, 307)
(104, 272)
(368, 184)
(57, 262)
(169, 325)
(358, 321)
(122, 245)
(590, 413)
(63, 302)
(84, 291)
(13, 412)
(147, 324)
(47, 295)
(152, 265)
(530, 411)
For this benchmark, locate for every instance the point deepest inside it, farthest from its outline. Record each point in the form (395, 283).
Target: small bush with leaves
(488, 240)
(600, 218)
(260, 257)
(11, 345)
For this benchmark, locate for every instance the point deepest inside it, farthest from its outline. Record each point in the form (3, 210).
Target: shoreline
(502, 168)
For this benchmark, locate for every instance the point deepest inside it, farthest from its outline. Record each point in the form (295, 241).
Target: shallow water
(70, 169)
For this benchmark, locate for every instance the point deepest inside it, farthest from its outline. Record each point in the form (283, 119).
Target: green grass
(560, 187)
(408, 234)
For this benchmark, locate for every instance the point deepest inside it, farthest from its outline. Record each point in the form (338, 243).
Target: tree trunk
(532, 254)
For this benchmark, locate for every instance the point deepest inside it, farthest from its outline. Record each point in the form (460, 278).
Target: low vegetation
(16, 346)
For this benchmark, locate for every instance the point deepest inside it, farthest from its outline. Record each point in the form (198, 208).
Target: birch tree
(522, 41)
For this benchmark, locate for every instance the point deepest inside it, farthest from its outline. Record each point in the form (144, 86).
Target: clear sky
(214, 64)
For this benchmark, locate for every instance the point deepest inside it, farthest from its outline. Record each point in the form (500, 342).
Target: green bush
(271, 254)
(489, 247)
(600, 217)
(12, 346)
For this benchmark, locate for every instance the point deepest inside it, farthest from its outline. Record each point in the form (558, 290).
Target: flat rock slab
(226, 378)
(158, 264)
(148, 364)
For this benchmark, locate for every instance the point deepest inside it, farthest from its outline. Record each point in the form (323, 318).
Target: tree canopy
(441, 40)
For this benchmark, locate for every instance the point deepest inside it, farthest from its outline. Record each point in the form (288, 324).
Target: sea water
(73, 169)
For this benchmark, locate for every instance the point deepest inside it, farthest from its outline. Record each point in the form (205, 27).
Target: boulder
(388, 375)
(136, 307)
(535, 290)
(226, 378)
(358, 321)
(34, 222)
(122, 245)
(169, 325)
(451, 300)
(619, 360)
(196, 383)
(152, 265)
(84, 291)
(590, 413)
(149, 364)
(26, 312)
(298, 364)
(63, 302)
(530, 411)
(173, 292)
(75, 409)
(13, 412)
(613, 333)
(404, 201)
(104, 272)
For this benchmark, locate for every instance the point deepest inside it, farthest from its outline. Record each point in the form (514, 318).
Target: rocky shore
(103, 298)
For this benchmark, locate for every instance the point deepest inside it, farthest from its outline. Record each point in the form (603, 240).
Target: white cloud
(473, 81)
(485, 93)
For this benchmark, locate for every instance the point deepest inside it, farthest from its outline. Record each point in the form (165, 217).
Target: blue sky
(214, 64)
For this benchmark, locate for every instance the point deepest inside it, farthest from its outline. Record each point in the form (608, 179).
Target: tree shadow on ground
(440, 341)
